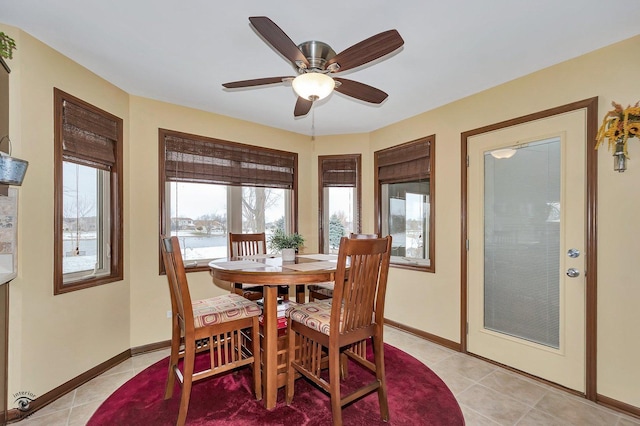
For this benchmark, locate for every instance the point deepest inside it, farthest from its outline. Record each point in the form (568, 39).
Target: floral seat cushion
(315, 315)
(219, 309)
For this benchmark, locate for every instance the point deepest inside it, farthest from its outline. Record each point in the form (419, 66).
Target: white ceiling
(182, 51)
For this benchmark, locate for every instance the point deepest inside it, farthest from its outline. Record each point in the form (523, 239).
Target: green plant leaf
(281, 240)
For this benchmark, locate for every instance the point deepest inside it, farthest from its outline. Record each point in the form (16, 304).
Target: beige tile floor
(488, 395)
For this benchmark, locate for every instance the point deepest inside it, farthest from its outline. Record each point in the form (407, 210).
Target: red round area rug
(416, 395)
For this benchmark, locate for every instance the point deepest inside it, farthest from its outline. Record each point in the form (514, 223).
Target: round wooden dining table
(270, 272)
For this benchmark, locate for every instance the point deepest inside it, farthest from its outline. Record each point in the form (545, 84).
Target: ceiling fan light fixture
(313, 86)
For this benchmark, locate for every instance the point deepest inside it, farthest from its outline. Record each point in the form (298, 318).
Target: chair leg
(334, 388)
(378, 349)
(189, 361)
(291, 349)
(173, 359)
(257, 371)
(344, 366)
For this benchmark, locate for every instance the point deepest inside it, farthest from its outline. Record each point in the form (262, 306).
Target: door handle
(573, 272)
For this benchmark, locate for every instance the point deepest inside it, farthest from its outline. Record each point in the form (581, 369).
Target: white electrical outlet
(168, 314)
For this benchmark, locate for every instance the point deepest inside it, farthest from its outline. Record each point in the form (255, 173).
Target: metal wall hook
(7, 138)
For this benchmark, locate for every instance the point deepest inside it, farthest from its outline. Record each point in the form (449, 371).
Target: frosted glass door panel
(522, 243)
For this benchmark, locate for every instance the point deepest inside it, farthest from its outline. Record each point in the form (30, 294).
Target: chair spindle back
(178, 285)
(363, 287)
(247, 244)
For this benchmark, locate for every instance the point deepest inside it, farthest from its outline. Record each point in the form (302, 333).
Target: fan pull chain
(313, 123)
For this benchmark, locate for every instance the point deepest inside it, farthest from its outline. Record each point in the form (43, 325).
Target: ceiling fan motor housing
(317, 53)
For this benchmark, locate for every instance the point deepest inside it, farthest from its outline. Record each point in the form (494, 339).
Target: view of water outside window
(341, 211)
(199, 215)
(408, 218)
(80, 224)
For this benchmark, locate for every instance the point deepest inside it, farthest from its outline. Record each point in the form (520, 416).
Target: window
(211, 187)
(339, 198)
(88, 195)
(405, 202)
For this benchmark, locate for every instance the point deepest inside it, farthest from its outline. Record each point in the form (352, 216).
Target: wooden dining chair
(249, 245)
(330, 328)
(215, 325)
(325, 291)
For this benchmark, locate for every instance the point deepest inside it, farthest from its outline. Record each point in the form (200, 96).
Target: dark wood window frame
(404, 163)
(338, 171)
(91, 137)
(216, 161)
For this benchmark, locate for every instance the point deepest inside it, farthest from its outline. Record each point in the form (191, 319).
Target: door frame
(591, 107)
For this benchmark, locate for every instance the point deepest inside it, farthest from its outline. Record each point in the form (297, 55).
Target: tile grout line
(478, 413)
(523, 416)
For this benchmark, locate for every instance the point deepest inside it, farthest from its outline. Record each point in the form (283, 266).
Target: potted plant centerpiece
(285, 243)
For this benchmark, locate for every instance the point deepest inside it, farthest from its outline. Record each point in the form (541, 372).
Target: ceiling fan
(316, 61)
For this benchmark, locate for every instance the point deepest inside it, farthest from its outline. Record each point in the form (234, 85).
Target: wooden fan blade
(360, 91)
(274, 35)
(367, 50)
(303, 106)
(255, 82)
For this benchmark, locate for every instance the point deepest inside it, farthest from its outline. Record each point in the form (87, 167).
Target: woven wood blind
(405, 162)
(88, 137)
(339, 172)
(203, 160)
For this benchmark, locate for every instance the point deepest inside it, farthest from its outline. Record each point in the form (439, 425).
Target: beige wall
(55, 338)
(430, 302)
(149, 291)
(79, 330)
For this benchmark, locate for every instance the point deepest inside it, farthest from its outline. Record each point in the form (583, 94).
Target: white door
(526, 260)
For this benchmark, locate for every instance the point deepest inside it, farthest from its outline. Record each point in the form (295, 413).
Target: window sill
(199, 266)
(86, 283)
(413, 267)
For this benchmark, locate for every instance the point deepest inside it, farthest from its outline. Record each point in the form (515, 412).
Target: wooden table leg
(300, 297)
(270, 347)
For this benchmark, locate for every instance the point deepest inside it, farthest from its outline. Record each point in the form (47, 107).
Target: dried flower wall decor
(7, 46)
(619, 125)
